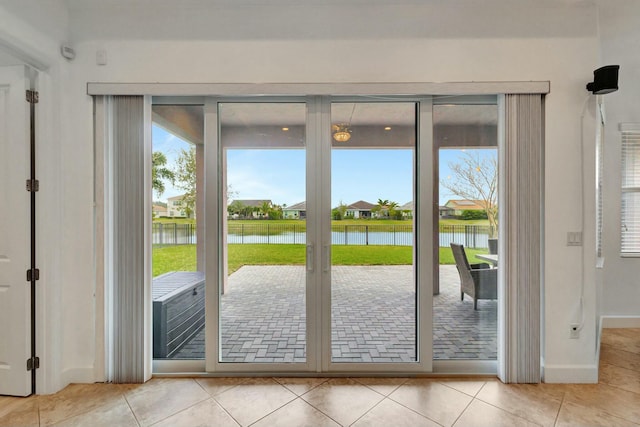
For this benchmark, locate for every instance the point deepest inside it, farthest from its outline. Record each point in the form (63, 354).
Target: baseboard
(588, 373)
(78, 376)
(611, 322)
(571, 374)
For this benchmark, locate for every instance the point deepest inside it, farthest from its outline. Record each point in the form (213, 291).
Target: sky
(279, 175)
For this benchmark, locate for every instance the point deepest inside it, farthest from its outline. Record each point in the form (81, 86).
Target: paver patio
(373, 317)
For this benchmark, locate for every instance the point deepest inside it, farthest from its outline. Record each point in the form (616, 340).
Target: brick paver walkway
(373, 317)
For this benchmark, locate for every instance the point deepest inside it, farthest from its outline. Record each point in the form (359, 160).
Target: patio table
(492, 258)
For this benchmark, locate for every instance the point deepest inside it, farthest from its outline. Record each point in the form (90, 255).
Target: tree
(380, 209)
(476, 178)
(339, 212)
(185, 179)
(275, 212)
(392, 210)
(265, 208)
(236, 208)
(160, 172)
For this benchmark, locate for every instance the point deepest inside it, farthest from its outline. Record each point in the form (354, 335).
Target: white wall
(417, 42)
(566, 61)
(620, 44)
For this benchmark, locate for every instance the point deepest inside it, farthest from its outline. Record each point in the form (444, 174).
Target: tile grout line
(225, 410)
(463, 411)
(319, 410)
(453, 388)
(370, 409)
(316, 408)
(84, 412)
(135, 417)
(412, 410)
(507, 411)
(564, 395)
(385, 395)
(288, 403)
(175, 413)
(266, 415)
(212, 397)
(39, 419)
(499, 408)
(469, 404)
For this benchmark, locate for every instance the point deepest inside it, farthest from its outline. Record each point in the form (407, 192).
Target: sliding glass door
(312, 236)
(263, 316)
(373, 276)
(310, 230)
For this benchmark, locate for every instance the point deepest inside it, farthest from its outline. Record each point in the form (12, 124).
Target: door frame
(318, 275)
(200, 90)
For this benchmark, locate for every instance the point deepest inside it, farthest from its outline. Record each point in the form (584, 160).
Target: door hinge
(33, 274)
(33, 185)
(33, 363)
(32, 96)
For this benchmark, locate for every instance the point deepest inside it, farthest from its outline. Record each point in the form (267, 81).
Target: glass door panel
(262, 309)
(373, 275)
(465, 305)
(178, 285)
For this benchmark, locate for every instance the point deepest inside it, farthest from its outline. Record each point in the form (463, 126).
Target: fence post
(242, 233)
(475, 235)
(366, 234)
(268, 233)
(161, 233)
(346, 236)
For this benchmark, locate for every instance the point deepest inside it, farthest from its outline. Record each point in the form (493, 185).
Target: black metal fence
(171, 233)
(266, 232)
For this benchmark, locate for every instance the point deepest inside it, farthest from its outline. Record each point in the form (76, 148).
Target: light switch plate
(574, 238)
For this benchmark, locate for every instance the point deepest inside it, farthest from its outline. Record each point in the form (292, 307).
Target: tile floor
(615, 401)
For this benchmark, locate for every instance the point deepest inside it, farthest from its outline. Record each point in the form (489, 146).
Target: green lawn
(175, 220)
(302, 224)
(183, 257)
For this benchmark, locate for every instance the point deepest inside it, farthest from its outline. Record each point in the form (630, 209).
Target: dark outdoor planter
(493, 246)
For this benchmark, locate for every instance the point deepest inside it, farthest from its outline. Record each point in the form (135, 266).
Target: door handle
(310, 258)
(326, 259)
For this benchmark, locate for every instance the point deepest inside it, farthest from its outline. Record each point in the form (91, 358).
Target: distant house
(407, 210)
(175, 207)
(459, 206)
(159, 211)
(360, 209)
(445, 212)
(297, 211)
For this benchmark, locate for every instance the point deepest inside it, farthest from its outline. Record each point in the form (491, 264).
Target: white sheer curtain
(123, 162)
(521, 216)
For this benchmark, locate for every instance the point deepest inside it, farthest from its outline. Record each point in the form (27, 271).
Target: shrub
(473, 214)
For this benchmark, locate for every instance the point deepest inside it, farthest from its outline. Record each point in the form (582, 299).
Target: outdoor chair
(479, 281)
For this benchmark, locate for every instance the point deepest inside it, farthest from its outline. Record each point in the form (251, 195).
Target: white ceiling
(76, 21)
(8, 58)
